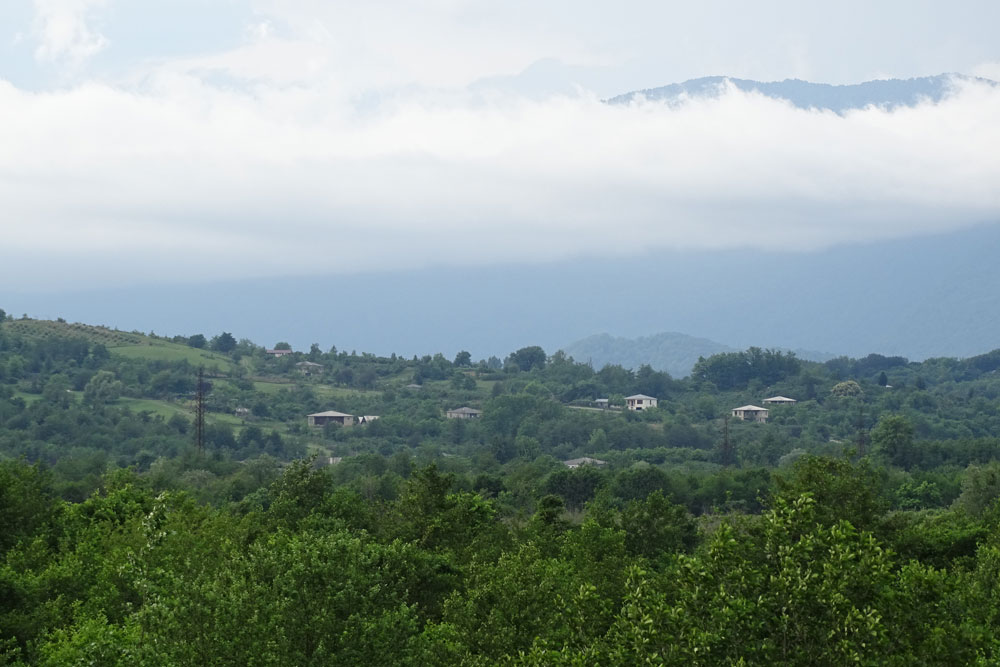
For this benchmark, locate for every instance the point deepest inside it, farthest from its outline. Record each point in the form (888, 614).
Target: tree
(883, 379)
(655, 526)
(847, 388)
(527, 358)
(103, 388)
(197, 341)
(224, 342)
(463, 358)
(282, 345)
(893, 439)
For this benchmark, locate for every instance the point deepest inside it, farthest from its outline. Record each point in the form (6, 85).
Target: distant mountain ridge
(673, 352)
(887, 93)
(921, 297)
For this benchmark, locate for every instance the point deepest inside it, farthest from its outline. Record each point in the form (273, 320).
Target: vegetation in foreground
(858, 526)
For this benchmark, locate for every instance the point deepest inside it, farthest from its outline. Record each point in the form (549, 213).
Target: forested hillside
(856, 525)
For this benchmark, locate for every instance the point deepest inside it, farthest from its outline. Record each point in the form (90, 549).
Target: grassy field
(271, 387)
(28, 398)
(164, 351)
(326, 391)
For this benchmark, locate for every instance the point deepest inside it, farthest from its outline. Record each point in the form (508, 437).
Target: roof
(572, 463)
(780, 399)
(637, 396)
(278, 351)
(467, 411)
(750, 408)
(308, 363)
(329, 413)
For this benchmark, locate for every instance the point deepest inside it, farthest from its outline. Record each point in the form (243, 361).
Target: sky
(188, 141)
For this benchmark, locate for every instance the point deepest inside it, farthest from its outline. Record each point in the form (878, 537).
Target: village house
(330, 417)
(751, 413)
(309, 367)
(366, 419)
(277, 353)
(640, 402)
(585, 461)
(780, 400)
(464, 413)
(602, 403)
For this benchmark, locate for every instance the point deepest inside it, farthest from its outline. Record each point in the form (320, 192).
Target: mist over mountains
(920, 297)
(885, 93)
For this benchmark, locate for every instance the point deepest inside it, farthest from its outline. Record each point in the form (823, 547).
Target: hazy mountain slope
(933, 296)
(673, 352)
(889, 93)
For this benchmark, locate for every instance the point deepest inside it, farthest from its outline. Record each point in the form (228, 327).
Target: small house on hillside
(464, 413)
(309, 367)
(585, 461)
(330, 417)
(780, 400)
(602, 403)
(366, 419)
(640, 402)
(277, 353)
(751, 413)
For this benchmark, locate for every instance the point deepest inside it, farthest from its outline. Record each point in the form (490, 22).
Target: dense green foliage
(858, 526)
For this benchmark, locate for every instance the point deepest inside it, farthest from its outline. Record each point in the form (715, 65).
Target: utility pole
(862, 436)
(728, 456)
(199, 412)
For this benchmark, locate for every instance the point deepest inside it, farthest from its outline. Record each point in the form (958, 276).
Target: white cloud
(183, 179)
(63, 30)
(987, 71)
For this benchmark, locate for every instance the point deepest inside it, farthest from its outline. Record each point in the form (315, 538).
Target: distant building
(464, 413)
(585, 461)
(639, 402)
(367, 419)
(243, 413)
(309, 367)
(277, 353)
(602, 403)
(330, 417)
(751, 413)
(413, 386)
(780, 400)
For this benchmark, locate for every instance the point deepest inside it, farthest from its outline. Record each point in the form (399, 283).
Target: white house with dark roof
(464, 413)
(639, 402)
(331, 417)
(751, 413)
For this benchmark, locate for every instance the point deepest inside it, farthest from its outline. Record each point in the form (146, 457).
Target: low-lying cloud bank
(186, 176)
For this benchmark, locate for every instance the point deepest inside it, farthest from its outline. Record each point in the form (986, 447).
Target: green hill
(125, 343)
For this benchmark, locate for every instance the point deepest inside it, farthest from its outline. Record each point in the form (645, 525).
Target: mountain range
(886, 93)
